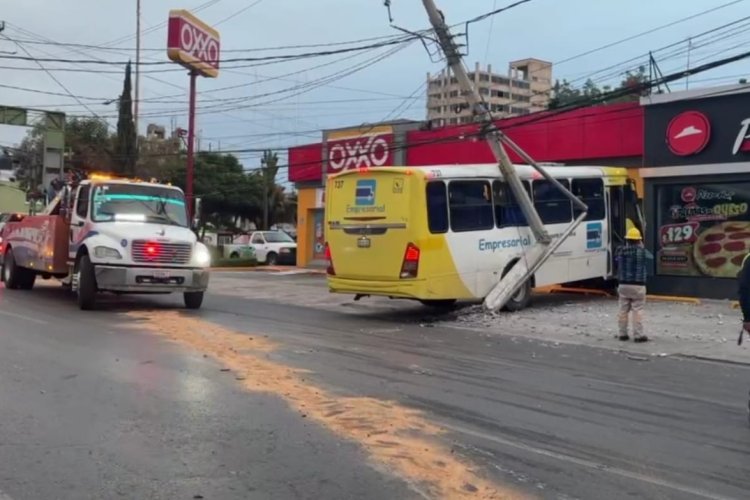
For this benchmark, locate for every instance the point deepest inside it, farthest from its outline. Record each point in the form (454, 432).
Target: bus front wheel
(521, 299)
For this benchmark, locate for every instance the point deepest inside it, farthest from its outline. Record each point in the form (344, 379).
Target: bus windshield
(138, 203)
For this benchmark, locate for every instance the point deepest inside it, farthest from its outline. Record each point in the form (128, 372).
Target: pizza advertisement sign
(703, 229)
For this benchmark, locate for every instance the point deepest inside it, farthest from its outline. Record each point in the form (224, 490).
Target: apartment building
(524, 89)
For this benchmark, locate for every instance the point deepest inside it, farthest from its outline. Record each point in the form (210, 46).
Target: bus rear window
(470, 206)
(591, 192)
(437, 207)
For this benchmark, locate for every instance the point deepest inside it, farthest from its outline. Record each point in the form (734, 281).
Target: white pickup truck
(274, 247)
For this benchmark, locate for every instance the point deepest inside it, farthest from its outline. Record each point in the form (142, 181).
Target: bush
(218, 260)
(234, 263)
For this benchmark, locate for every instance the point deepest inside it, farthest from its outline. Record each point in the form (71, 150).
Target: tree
(90, 144)
(563, 94)
(632, 80)
(126, 154)
(227, 192)
(269, 170)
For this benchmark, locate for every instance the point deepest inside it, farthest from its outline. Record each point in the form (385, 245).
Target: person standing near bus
(743, 280)
(632, 271)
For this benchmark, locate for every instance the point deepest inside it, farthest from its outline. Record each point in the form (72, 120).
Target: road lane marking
(599, 467)
(25, 318)
(395, 436)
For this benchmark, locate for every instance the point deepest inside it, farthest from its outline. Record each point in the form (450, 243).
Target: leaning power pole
(544, 245)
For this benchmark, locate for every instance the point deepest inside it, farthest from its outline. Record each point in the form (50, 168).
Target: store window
(702, 229)
(551, 204)
(437, 207)
(470, 205)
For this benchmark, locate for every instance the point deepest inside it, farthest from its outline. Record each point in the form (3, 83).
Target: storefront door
(319, 242)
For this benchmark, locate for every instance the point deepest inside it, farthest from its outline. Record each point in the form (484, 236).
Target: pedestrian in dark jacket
(632, 271)
(743, 279)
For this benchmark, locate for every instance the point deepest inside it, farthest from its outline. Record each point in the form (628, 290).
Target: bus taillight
(410, 266)
(329, 262)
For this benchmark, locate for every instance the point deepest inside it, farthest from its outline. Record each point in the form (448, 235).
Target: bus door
(617, 220)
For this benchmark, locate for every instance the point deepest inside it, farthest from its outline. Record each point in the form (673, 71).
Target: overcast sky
(553, 30)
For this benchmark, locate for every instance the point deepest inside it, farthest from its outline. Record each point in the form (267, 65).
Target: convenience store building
(689, 153)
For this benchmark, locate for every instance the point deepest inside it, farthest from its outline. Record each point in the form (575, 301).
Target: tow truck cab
(107, 235)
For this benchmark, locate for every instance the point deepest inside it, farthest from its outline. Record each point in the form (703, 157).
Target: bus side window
(437, 207)
(552, 205)
(507, 210)
(470, 206)
(591, 192)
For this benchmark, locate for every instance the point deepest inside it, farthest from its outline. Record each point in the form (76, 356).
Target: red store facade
(680, 146)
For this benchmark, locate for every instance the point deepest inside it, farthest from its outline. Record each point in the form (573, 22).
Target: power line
(58, 82)
(647, 32)
(232, 16)
(161, 25)
(223, 50)
(283, 57)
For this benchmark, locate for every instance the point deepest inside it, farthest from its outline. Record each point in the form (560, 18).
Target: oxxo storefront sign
(697, 157)
(359, 148)
(192, 43)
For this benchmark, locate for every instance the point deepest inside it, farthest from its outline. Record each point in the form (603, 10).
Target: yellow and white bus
(444, 233)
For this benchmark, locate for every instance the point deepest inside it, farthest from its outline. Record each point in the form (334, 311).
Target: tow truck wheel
(193, 300)
(86, 284)
(16, 277)
(10, 271)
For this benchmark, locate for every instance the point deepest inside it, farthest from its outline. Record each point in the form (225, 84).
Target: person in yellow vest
(632, 271)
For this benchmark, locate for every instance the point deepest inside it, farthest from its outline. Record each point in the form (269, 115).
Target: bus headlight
(106, 253)
(202, 257)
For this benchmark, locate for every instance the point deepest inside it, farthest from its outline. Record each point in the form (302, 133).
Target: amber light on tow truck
(410, 265)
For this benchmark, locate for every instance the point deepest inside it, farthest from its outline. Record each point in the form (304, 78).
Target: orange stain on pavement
(399, 438)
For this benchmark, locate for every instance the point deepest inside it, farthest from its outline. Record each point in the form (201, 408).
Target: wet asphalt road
(89, 409)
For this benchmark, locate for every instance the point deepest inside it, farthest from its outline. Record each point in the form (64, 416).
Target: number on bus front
(338, 184)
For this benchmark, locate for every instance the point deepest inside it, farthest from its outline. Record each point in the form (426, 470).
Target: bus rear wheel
(439, 303)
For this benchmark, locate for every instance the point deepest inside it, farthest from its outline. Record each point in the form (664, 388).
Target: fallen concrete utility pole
(544, 245)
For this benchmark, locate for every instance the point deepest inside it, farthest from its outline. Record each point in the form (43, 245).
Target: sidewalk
(271, 269)
(706, 330)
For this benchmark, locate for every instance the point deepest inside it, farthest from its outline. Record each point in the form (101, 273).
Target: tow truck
(106, 234)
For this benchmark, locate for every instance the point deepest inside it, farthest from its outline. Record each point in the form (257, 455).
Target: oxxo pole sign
(196, 46)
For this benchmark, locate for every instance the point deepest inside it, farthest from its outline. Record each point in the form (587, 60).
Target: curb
(237, 269)
(709, 359)
(266, 269)
(582, 291)
(675, 298)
